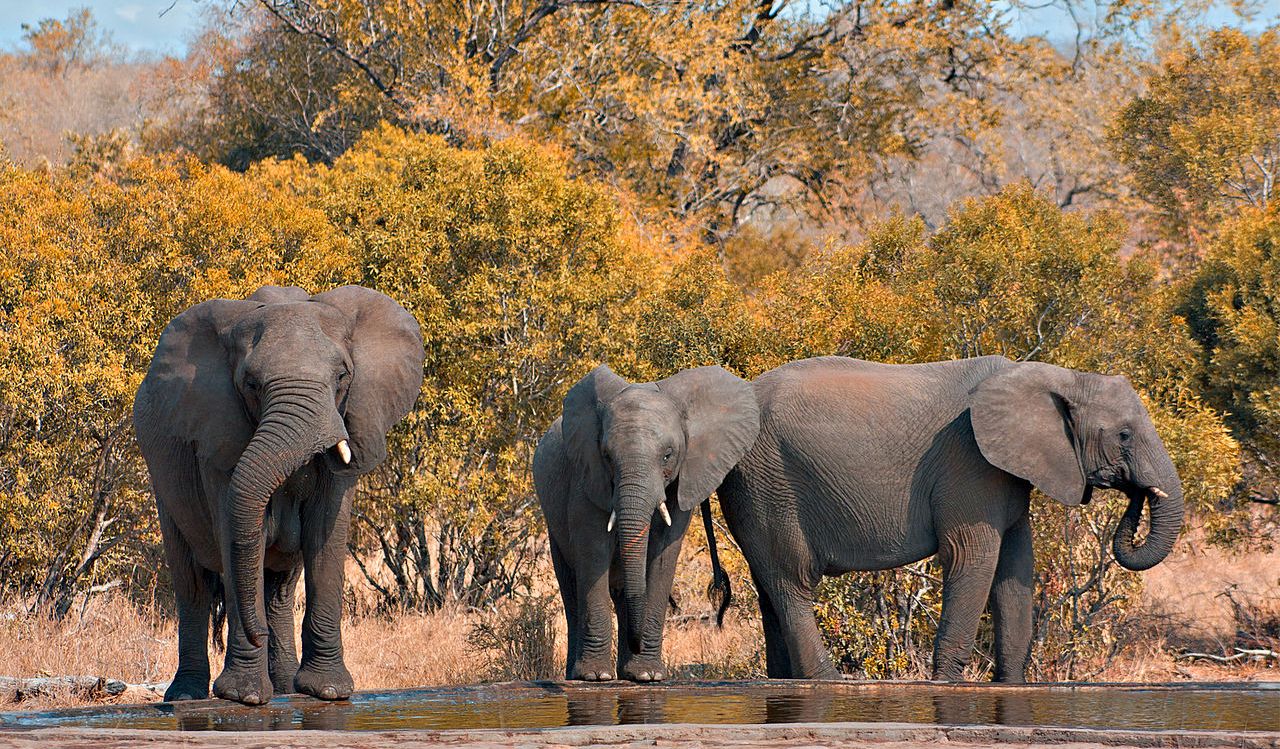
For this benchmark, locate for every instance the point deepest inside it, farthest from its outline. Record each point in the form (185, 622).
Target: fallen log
(14, 689)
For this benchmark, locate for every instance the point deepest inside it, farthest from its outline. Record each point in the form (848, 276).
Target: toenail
(328, 693)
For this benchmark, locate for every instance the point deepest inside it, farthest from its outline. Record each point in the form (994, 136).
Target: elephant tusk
(344, 452)
(662, 508)
(1156, 491)
(612, 517)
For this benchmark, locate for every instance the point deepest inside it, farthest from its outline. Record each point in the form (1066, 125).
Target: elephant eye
(251, 383)
(1125, 435)
(667, 457)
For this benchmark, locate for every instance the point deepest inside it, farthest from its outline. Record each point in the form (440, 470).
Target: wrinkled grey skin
(239, 418)
(864, 466)
(623, 448)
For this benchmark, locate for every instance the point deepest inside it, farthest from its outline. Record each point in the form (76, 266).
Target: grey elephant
(618, 476)
(865, 466)
(256, 417)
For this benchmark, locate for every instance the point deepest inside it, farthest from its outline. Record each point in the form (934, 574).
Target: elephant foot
(187, 687)
(333, 683)
(644, 669)
(247, 686)
(283, 671)
(591, 670)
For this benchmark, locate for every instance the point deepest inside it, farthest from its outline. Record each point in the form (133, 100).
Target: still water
(1233, 707)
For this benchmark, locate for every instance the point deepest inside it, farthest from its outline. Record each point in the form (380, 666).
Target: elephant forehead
(640, 407)
(291, 321)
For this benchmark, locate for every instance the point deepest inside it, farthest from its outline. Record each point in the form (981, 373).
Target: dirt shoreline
(681, 736)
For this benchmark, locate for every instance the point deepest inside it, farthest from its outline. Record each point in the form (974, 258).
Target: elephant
(255, 419)
(635, 458)
(867, 466)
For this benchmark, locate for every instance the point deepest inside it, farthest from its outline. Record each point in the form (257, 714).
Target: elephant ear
(722, 419)
(581, 429)
(386, 362)
(1023, 424)
(189, 393)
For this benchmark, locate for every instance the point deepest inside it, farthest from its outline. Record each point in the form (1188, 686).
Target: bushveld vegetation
(548, 186)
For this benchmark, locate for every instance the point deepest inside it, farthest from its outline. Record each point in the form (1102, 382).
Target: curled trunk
(295, 426)
(1166, 519)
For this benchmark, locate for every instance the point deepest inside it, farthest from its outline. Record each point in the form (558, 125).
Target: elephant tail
(718, 591)
(217, 611)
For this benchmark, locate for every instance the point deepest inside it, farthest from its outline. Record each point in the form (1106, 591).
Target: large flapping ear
(189, 393)
(1022, 421)
(721, 421)
(386, 361)
(581, 430)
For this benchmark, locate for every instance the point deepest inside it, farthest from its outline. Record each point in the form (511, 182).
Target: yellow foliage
(1204, 139)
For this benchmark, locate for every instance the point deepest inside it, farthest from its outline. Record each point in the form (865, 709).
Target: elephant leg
(595, 643)
(282, 653)
(193, 600)
(807, 656)
(664, 554)
(569, 596)
(777, 664)
(968, 556)
(1011, 602)
(326, 521)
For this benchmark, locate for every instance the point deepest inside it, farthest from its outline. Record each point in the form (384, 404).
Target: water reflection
(544, 705)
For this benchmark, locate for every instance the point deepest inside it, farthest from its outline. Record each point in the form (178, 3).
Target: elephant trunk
(1161, 491)
(298, 422)
(635, 515)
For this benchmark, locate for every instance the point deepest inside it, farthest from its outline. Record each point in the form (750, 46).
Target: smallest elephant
(618, 477)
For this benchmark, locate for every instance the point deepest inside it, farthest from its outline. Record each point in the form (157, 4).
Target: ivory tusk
(662, 508)
(344, 452)
(612, 517)
(1156, 491)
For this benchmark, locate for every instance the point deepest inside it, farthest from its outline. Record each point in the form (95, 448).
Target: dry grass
(115, 637)
(1187, 605)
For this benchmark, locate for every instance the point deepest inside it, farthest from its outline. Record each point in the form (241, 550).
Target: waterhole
(1223, 707)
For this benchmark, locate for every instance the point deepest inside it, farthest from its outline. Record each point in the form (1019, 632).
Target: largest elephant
(255, 419)
(866, 466)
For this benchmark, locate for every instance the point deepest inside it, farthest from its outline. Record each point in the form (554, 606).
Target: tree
(266, 92)
(57, 46)
(1231, 303)
(1204, 140)
(708, 112)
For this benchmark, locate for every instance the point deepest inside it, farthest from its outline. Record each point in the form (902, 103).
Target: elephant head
(280, 379)
(634, 448)
(1069, 432)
